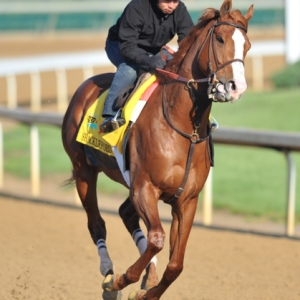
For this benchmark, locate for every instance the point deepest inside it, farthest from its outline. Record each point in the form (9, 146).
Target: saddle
(130, 90)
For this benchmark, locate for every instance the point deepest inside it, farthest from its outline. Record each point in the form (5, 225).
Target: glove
(156, 62)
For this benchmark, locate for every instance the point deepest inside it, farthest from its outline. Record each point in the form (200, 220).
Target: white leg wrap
(105, 261)
(141, 243)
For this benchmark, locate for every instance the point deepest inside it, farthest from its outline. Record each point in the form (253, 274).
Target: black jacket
(143, 28)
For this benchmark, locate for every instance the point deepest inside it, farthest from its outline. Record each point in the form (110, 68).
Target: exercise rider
(134, 44)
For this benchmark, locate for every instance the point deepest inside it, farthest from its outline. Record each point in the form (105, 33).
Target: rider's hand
(156, 62)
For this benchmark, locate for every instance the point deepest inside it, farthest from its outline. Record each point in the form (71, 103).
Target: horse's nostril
(233, 85)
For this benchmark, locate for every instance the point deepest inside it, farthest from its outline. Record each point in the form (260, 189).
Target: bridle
(211, 42)
(211, 80)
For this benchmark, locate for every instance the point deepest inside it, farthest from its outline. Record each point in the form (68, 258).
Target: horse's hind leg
(86, 181)
(131, 221)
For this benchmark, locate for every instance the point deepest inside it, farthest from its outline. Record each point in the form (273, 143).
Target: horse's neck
(189, 107)
(190, 65)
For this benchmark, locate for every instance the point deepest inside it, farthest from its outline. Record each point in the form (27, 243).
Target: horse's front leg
(183, 216)
(145, 203)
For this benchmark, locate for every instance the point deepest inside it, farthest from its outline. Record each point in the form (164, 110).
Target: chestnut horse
(168, 149)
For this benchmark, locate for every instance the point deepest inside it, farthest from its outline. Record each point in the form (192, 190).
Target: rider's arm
(131, 26)
(184, 21)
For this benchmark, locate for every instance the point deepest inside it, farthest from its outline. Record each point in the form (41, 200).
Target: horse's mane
(208, 15)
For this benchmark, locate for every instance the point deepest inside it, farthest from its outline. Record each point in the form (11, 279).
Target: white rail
(87, 61)
(58, 63)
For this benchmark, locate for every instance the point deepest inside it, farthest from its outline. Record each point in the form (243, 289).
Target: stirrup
(112, 123)
(116, 121)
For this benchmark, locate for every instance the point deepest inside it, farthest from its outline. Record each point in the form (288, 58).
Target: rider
(135, 41)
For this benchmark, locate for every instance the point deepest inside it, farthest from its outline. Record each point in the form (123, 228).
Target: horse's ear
(249, 13)
(226, 7)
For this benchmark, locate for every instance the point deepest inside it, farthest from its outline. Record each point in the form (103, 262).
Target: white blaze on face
(238, 67)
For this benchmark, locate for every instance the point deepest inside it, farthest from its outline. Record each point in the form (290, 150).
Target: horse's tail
(69, 181)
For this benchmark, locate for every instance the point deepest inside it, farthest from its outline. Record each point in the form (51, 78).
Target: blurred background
(48, 47)
(41, 27)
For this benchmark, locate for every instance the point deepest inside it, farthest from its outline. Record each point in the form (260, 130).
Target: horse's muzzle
(230, 91)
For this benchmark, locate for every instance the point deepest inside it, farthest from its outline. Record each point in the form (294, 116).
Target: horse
(168, 150)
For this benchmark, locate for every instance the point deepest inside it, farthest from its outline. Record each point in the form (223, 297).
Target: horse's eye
(220, 40)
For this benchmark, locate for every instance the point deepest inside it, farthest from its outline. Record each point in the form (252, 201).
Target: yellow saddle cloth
(89, 132)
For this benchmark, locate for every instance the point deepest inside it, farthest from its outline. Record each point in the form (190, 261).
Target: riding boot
(111, 123)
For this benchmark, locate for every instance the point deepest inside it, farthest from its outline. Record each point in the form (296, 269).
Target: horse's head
(227, 46)
(216, 49)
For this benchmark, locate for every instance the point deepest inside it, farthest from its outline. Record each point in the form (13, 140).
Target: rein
(194, 137)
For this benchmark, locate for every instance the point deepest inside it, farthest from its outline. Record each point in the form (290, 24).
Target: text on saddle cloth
(89, 132)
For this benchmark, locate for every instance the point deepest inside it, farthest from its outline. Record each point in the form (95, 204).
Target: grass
(17, 151)
(52, 156)
(253, 181)
(271, 110)
(248, 181)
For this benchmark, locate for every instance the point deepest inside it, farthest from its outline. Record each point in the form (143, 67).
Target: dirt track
(46, 253)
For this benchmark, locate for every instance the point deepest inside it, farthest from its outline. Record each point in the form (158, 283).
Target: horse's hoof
(116, 295)
(137, 295)
(108, 283)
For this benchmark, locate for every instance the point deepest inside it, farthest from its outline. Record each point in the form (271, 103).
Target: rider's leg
(112, 50)
(125, 76)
